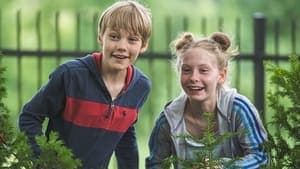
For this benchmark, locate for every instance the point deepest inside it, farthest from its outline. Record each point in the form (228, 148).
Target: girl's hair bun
(183, 40)
(222, 39)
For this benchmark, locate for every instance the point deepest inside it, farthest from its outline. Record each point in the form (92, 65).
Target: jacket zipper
(109, 110)
(112, 105)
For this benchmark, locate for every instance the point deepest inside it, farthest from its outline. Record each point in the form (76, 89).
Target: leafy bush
(205, 157)
(284, 143)
(15, 152)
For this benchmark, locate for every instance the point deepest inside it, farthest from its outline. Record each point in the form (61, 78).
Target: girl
(202, 66)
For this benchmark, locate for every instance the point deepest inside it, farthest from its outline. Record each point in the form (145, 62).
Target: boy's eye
(114, 36)
(134, 39)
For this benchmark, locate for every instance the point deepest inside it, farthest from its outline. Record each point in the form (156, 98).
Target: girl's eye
(203, 70)
(185, 70)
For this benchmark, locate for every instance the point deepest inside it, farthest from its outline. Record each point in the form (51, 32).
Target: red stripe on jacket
(96, 115)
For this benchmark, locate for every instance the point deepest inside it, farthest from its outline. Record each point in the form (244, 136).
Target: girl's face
(120, 48)
(199, 74)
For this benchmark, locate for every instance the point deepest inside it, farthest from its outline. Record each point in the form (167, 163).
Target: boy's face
(120, 48)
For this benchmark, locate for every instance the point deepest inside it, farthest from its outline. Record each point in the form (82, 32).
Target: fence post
(259, 52)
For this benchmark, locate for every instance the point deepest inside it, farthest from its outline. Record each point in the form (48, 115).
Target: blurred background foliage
(195, 10)
(176, 10)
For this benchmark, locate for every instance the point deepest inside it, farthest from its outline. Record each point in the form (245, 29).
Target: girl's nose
(194, 76)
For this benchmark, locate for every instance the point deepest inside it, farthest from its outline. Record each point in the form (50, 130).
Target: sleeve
(160, 144)
(47, 102)
(255, 135)
(127, 151)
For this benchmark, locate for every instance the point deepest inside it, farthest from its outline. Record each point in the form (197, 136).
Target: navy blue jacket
(80, 109)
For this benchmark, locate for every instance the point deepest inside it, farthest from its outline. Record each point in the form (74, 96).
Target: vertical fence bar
(276, 39)
(95, 31)
(203, 26)
(77, 32)
(57, 37)
(293, 34)
(19, 59)
(276, 48)
(152, 74)
(169, 65)
(238, 43)
(220, 24)
(259, 52)
(185, 23)
(39, 46)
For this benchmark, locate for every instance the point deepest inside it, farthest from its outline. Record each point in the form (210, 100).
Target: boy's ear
(99, 39)
(144, 47)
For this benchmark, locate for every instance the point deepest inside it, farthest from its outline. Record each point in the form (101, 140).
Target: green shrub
(283, 145)
(15, 152)
(205, 157)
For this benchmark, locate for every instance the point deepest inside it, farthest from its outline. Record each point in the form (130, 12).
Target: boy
(93, 101)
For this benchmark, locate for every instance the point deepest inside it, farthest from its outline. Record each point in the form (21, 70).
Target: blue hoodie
(81, 110)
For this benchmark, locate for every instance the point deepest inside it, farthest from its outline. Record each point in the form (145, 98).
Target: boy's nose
(122, 44)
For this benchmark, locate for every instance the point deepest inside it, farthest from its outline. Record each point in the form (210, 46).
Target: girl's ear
(222, 75)
(99, 40)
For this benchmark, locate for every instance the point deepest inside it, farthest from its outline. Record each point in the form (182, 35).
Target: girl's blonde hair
(218, 43)
(129, 15)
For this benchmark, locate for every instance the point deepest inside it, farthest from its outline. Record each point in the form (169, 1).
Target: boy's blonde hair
(129, 15)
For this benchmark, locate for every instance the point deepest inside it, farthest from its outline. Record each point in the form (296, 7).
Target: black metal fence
(257, 56)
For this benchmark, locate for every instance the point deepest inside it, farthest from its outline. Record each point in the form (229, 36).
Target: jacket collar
(174, 111)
